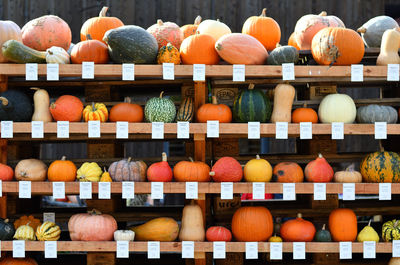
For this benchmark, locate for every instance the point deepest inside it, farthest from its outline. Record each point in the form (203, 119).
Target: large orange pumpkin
(297, 230)
(264, 29)
(292, 41)
(46, 31)
(90, 51)
(191, 171)
(67, 108)
(6, 172)
(214, 112)
(227, 169)
(166, 32)
(199, 49)
(126, 111)
(252, 223)
(62, 170)
(343, 225)
(304, 115)
(9, 31)
(318, 170)
(97, 26)
(190, 29)
(288, 172)
(17, 261)
(339, 46)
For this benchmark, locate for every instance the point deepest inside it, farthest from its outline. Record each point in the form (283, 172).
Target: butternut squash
(41, 102)
(283, 101)
(389, 47)
(192, 228)
(162, 229)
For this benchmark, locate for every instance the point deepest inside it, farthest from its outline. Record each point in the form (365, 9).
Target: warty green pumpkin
(160, 109)
(251, 105)
(391, 230)
(283, 54)
(186, 110)
(381, 167)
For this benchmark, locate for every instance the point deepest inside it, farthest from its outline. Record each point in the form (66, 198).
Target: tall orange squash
(343, 225)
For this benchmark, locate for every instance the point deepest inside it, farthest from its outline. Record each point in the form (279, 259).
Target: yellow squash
(25, 232)
(89, 172)
(258, 170)
(95, 112)
(162, 229)
(48, 231)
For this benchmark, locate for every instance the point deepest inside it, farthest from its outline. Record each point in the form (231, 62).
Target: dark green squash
(283, 54)
(186, 110)
(6, 230)
(323, 235)
(15, 106)
(17, 52)
(251, 105)
(131, 44)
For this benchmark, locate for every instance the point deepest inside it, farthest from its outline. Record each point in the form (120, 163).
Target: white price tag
(58, 190)
(380, 130)
(37, 129)
(104, 190)
(253, 129)
(393, 72)
(168, 71)
(345, 250)
(199, 72)
(157, 130)
(212, 129)
(219, 250)
(153, 250)
(62, 129)
(239, 73)
(52, 72)
(369, 249)
(305, 130)
(299, 250)
(396, 248)
(122, 249)
(25, 189)
(157, 190)
(1, 195)
(319, 191)
(385, 191)
(226, 190)
(258, 190)
(192, 190)
(187, 249)
(349, 192)
(87, 70)
(94, 129)
(289, 191)
(49, 217)
(85, 190)
(128, 71)
(275, 250)
(50, 249)
(288, 71)
(18, 248)
(31, 71)
(122, 129)
(357, 73)
(337, 131)
(251, 250)
(183, 129)
(7, 129)
(281, 130)
(128, 190)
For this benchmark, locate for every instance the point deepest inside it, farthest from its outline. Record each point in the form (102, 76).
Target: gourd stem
(35, 88)
(323, 13)
(369, 223)
(4, 101)
(323, 227)
(380, 144)
(161, 94)
(160, 22)
(127, 100)
(105, 170)
(63, 158)
(214, 100)
(278, 45)
(164, 156)
(264, 12)
(257, 156)
(197, 21)
(299, 215)
(396, 223)
(305, 105)
(88, 37)
(191, 159)
(6, 221)
(129, 159)
(361, 30)
(320, 155)
(94, 212)
(251, 86)
(212, 174)
(351, 167)
(103, 11)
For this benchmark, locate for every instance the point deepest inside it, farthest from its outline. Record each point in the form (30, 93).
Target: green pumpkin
(251, 105)
(376, 113)
(381, 167)
(186, 110)
(160, 109)
(283, 54)
(6, 230)
(391, 230)
(323, 235)
(15, 106)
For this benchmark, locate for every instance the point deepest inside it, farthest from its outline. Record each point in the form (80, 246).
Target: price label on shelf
(1, 195)
(85, 190)
(122, 249)
(157, 190)
(187, 249)
(128, 71)
(104, 190)
(168, 71)
(281, 130)
(50, 249)
(226, 190)
(87, 70)
(349, 193)
(199, 72)
(157, 130)
(62, 129)
(393, 72)
(299, 250)
(183, 129)
(357, 73)
(258, 190)
(37, 129)
(52, 72)
(7, 129)
(288, 71)
(49, 217)
(128, 190)
(380, 130)
(275, 250)
(385, 191)
(345, 250)
(192, 190)
(18, 248)
(337, 131)
(239, 73)
(320, 191)
(58, 190)
(94, 129)
(153, 250)
(219, 250)
(212, 129)
(396, 248)
(305, 130)
(253, 129)
(251, 250)
(24, 189)
(369, 249)
(289, 191)
(31, 72)
(122, 129)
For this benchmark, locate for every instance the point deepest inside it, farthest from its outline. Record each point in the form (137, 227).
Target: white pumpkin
(215, 28)
(9, 31)
(337, 108)
(57, 55)
(373, 29)
(124, 235)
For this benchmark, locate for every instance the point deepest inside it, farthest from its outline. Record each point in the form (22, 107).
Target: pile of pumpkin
(48, 38)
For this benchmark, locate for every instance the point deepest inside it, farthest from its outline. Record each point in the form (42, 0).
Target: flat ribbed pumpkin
(381, 167)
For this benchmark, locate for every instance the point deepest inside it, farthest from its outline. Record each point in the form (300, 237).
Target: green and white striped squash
(381, 167)
(251, 105)
(160, 110)
(186, 110)
(283, 54)
(391, 230)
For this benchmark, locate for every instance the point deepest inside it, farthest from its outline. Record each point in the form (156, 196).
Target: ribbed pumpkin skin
(343, 225)
(95, 112)
(9, 31)
(162, 229)
(186, 110)
(374, 29)
(48, 231)
(160, 109)
(89, 172)
(391, 230)
(227, 169)
(192, 171)
(19, 106)
(27, 220)
(67, 108)
(218, 233)
(25, 232)
(376, 113)
(251, 105)
(214, 112)
(127, 170)
(17, 261)
(190, 29)
(381, 167)
(297, 230)
(283, 54)
(62, 170)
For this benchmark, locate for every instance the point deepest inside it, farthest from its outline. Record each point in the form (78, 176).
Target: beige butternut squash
(283, 101)
(192, 228)
(41, 101)
(389, 47)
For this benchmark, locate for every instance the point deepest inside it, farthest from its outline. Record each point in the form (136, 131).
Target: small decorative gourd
(192, 228)
(95, 112)
(41, 102)
(48, 231)
(323, 235)
(89, 172)
(389, 47)
(283, 101)
(160, 109)
(57, 55)
(105, 177)
(275, 238)
(25, 232)
(391, 230)
(368, 233)
(376, 113)
(168, 54)
(124, 235)
(186, 110)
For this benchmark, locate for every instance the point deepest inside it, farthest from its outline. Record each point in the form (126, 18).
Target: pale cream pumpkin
(214, 28)
(337, 108)
(192, 228)
(350, 175)
(283, 101)
(31, 170)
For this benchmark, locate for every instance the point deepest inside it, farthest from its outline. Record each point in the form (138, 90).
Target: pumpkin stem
(212, 174)
(103, 11)
(63, 158)
(257, 156)
(35, 88)
(6, 221)
(161, 94)
(380, 144)
(127, 100)
(129, 159)
(94, 212)
(4, 101)
(88, 37)
(323, 227)
(350, 168)
(251, 86)
(361, 30)
(396, 223)
(299, 215)
(197, 21)
(191, 159)
(160, 22)
(264, 12)
(218, 19)
(320, 155)
(105, 170)
(52, 105)
(214, 100)
(305, 105)
(323, 13)
(164, 156)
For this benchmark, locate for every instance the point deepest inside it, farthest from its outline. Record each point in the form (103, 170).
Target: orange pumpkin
(218, 233)
(339, 46)
(191, 171)
(292, 41)
(9, 31)
(17, 261)
(166, 32)
(318, 170)
(126, 111)
(45, 32)
(288, 172)
(6, 172)
(67, 108)
(97, 26)
(95, 112)
(227, 169)
(252, 224)
(62, 170)
(264, 29)
(304, 115)
(160, 171)
(90, 51)
(297, 230)
(27, 220)
(343, 225)
(214, 112)
(199, 49)
(190, 29)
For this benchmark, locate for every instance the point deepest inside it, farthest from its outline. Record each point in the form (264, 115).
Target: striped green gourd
(160, 109)
(381, 167)
(185, 111)
(251, 105)
(391, 230)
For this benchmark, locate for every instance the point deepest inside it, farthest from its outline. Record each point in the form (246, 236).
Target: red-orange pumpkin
(190, 29)
(191, 171)
(227, 169)
(67, 108)
(214, 112)
(126, 111)
(288, 172)
(6, 172)
(17, 261)
(90, 51)
(160, 171)
(199, 49)
(166, 32)
(297, 230)
(318, 170)
(343, 225)
(218, 233)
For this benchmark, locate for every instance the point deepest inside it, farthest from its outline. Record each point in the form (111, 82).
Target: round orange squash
(218, 233)
(191, 171)
(318, 170)
(62, 170)
(343, 225)
(214, 112)
(304, 115)
(126, 111)
(190, 29)
(90, 51)
(297, 230)
(292, 41)
(67, 108)
(288, 172)
(6, 172)
(199, 49)
(227, 169)
(17, 261)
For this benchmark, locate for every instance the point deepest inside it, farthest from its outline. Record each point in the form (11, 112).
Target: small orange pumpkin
(95, 112)
(304, 114)
(298, 230)
(67, 108)
(318, 170)
(292, 41)
(6, 172)
(126, 111)
(288, 172)
(199, 49)
(191, 171)
(343, 225)
(214, 112)
(168, 54)
(90, 51)
(62, 170)
(190, 29)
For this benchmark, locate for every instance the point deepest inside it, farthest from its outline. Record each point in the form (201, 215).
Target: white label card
(226, 190)
(94, 129)
(337, 131)
(1, 195)
(7, 129)
(122, 249)
(31, 71)
(183, 129)
(380, 130)
(289, 191)
(288, 71)
(396, 248)
(258, 190)
(52, 72)
(37, 129)
(192, 190)
(128, 190)
(58, 190)
(199, 72)
(157, 190)
(128, 71)
(239, 73)
(24, 189)
(122, 129)
(345, 250)
(357, 73)
(87, 70)
(253, 128)
(275, 250)
(212, 129)
(187, 249)
(104, 190)
(49, 217)
(85, 190)
(50, 249)
(18, 248)
(369, 249)
(168, 71)
(251, 250)
(393, 72)
(153, 250)
(281, 130)
(62, 129)
(320, 191)
(305, 130)
(349, 192)
(299, 250)
(157, 130)
(385, 191)
(219, 250)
